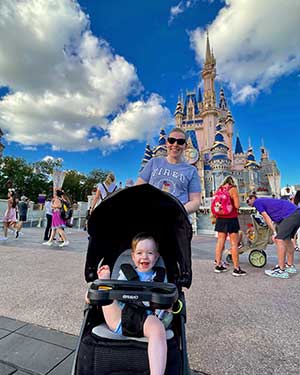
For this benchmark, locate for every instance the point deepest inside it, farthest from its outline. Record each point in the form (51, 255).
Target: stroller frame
(256, 248)
(174, 232)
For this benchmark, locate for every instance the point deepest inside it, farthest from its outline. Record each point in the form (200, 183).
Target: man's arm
(194, 202)
(269, 222)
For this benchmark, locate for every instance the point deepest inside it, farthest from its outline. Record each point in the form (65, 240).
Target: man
(172, 174)
(286, 217)
(22, 209)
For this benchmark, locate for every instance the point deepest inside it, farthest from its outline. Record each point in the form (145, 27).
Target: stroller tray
(162, 294)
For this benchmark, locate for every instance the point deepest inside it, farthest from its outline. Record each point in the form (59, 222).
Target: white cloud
(254, 42)
(180, 8)
(128, 123)
(63, 81)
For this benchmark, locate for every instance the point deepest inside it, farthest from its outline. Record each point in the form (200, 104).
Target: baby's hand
(103, 272)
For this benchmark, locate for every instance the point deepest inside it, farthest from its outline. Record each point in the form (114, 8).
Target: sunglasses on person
(180, 141)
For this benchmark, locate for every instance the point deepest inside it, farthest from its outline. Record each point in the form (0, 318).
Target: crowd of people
(173, 175)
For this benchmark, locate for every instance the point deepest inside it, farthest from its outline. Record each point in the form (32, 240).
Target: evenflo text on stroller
(111, 227)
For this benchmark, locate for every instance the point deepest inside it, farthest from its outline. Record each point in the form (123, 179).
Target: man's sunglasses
(180, 141)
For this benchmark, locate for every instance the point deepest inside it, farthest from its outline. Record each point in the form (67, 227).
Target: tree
(34, 179)
(16, 173)
(74, 185)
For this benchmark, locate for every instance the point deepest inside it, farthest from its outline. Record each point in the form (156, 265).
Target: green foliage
(34, 179)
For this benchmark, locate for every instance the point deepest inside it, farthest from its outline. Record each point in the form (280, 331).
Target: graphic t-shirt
(277, 209)
(177, 179)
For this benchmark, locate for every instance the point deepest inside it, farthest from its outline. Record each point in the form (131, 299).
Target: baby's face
(145, 255)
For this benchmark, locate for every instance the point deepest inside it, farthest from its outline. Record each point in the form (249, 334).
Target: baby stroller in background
(262, 237)
(111, 227)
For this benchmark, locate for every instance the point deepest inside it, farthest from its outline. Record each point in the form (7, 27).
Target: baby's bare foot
(104, 272)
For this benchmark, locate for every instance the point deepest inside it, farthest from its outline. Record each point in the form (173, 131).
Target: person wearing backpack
(224, 207)
(104, 189)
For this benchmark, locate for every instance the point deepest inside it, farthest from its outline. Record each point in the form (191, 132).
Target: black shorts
(227, 225)
(22, 217)
(133, 319)
(288, 227)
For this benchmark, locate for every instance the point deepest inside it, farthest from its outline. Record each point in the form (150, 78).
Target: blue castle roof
(238, 146)
(191, 96)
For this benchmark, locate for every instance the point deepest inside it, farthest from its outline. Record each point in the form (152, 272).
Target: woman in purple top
(172, 174)
(283, 217)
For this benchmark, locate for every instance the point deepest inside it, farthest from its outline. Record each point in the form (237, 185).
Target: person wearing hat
(283, 218)
(22, 209)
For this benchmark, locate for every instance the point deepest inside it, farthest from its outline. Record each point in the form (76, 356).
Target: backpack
(66, 211)
(107, 192)
(221, 204)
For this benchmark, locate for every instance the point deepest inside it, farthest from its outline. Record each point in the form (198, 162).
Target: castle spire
(238, 146)
(208, 56)
(222, 102)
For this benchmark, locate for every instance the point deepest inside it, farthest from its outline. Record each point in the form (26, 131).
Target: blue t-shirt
(177, 179)
(277, 209)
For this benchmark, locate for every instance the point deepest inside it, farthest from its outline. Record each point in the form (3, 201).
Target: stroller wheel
(258, 258)
(229, 258)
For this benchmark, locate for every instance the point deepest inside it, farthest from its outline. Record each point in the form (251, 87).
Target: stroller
(111, 227)
(256, 247)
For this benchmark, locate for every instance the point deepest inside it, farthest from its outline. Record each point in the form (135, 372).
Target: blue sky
(92, 81)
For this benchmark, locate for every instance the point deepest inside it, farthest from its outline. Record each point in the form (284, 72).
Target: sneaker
(221, 268)
(277, 272)
(223, 263)
(290, 269)
(239, 272)
(48, 243)
(65, 243)
(3, 238)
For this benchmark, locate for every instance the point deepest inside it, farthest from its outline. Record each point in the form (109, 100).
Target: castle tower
(220, 163)
(253, 170)
(270, 174)
(209, 114)
(147, 156)
(161, 149)
(239, 156)
(179, 113)
(229, 122)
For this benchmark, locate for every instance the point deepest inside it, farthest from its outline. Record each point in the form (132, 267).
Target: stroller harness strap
(134, 314)
(131, 274)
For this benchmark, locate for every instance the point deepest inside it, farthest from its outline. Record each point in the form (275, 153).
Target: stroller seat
(102, 330)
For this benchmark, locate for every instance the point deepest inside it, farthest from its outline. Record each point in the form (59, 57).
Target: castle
(209, 128)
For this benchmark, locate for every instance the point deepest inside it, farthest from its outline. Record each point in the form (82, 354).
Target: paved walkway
(235, 326)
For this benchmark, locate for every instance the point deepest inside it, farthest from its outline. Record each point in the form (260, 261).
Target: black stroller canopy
(141, 208)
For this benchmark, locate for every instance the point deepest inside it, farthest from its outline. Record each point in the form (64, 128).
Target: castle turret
(222, 101)
(179, 113)
(253, 168)
(147, 156)
(209, 75)
(219, 162)
(161, 149)
(209, 112)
